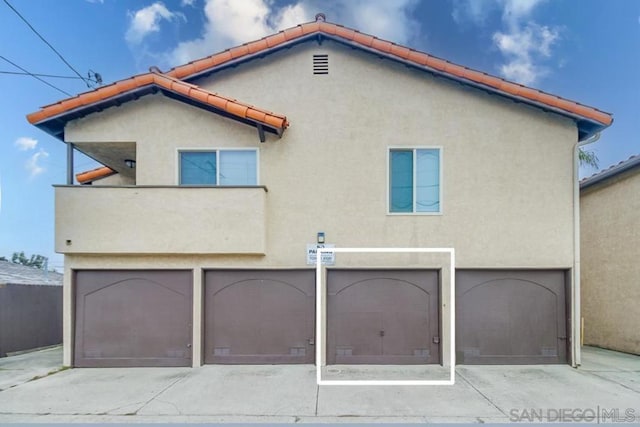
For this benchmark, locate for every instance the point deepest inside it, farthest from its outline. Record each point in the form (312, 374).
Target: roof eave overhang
(586, 127)
(611, 173)
(55, 125)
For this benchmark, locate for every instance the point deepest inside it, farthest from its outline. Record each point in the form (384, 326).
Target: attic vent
(321, 64)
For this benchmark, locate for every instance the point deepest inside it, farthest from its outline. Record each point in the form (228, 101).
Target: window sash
(237, 167)
(198, 168)
(414, 180)
(218, 167)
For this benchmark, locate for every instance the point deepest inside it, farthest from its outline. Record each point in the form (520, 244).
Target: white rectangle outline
(319, 304)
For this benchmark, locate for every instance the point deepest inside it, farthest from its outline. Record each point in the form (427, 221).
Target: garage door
(133, 318)
(259, 316)
(382, 317)
(510, 317)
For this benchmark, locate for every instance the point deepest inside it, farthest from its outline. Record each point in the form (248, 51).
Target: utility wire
(53, 76)
(46, 42)
(35, 77)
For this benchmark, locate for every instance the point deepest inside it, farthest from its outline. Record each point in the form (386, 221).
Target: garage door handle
(188, 345)
(381, 333)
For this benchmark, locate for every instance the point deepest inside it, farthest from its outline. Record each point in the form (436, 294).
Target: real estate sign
(312, 254)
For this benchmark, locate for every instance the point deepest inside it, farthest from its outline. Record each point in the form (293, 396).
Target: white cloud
(477, 11)
(388, 20)
(525, 49)
(25, 143)
(473, 11)
(233, 22)
(147, 20)
(525, 45)
(184, 3)
(33, 165)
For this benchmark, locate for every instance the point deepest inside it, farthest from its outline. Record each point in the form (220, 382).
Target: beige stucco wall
(143, 220)
(507, 168)
(610, 246)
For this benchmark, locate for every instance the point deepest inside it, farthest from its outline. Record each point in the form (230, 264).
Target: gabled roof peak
(52, 118)
(589, 119)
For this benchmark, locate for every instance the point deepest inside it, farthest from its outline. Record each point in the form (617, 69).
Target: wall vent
(321, 64)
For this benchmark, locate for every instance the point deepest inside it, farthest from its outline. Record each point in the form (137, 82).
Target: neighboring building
(610, 247)
(30, 308)
(199, 254)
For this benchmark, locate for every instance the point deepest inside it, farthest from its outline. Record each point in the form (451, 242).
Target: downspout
(576, 321)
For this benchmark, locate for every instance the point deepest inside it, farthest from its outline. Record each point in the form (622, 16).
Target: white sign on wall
(312, 254)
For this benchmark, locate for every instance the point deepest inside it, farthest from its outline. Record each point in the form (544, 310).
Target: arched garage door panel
(259, 316)
(510, 317)
(382, 317)
(132, 318)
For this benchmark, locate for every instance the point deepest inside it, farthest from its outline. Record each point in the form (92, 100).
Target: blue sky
(587, 51)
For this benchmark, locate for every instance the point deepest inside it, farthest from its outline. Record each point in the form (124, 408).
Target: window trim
(216, 150)
(413, 148)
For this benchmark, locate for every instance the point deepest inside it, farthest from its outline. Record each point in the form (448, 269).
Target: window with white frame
(218, 167)
(414, 180)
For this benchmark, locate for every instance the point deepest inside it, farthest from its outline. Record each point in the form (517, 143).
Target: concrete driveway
(607, 386)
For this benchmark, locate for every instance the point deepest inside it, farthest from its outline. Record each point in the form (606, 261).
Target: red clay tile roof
(590, 120)
(171, 84)
(93, 174)
(396, 51)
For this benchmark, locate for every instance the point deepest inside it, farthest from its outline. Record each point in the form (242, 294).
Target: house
(610, 249)
(233, 165)
(30, 308)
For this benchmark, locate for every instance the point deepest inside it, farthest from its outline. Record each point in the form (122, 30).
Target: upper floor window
(218, 167)
(414, 180)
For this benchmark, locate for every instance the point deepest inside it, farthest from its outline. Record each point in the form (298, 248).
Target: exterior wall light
(130, 163)
(320, 237)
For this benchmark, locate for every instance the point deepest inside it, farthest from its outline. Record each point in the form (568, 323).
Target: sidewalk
(16, 370)
(281, 394)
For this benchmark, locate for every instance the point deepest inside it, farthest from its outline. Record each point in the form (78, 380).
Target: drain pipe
(575, 289)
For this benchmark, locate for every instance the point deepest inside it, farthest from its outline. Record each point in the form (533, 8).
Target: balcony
(160, 220)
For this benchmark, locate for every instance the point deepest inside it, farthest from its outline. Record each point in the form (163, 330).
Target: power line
(46, 42)
(53, 76)
(35, 77)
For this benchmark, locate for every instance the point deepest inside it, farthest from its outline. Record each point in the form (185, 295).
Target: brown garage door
(510, 317)
(259, 316)
(132, 318)
(382, 317)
